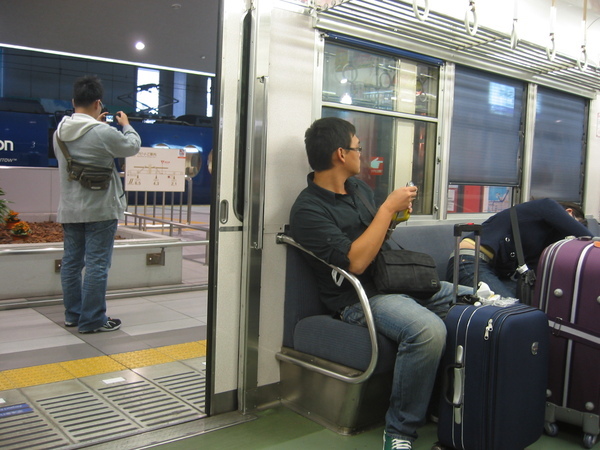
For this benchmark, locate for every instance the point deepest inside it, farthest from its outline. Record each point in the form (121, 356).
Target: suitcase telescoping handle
(459, 229)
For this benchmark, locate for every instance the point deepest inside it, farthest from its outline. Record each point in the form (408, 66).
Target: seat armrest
(364, 301)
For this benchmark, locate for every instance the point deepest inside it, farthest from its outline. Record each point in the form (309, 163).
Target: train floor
(282, 429)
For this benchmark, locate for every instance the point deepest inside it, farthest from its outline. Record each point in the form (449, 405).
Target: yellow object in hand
(401, 216)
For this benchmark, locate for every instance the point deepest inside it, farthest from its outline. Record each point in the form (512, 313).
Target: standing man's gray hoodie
(92, 142)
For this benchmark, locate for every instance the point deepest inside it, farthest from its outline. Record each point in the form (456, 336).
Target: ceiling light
(140, 45)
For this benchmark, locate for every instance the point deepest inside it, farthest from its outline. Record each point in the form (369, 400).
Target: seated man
(331, 220)
(541, 223)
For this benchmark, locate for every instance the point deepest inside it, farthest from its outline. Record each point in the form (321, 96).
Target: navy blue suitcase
(495, 376)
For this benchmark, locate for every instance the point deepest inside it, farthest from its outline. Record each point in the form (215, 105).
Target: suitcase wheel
(438, 446)
(589, 440)
(551, 428)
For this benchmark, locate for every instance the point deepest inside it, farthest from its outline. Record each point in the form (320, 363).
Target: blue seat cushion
(343, 343)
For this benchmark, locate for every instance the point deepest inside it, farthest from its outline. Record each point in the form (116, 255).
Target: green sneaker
(392, 443)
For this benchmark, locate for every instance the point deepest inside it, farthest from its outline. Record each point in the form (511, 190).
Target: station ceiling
(179, 34)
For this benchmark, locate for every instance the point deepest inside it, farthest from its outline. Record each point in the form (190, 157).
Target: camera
(109, 118)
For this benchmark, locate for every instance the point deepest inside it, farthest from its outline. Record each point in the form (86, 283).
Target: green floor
(280, 428)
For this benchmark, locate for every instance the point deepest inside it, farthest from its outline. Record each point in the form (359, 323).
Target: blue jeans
(466, 275)
(418, 328)
(86, 245)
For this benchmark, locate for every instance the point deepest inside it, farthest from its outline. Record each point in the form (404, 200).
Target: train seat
(593, 226)
(435, 240)
(334, 373)
(328, 369)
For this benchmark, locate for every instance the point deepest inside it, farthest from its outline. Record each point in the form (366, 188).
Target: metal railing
(140, 221)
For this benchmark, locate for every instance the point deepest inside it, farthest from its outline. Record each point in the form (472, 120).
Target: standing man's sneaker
(392, 443)
(70, 324)
(110, 325)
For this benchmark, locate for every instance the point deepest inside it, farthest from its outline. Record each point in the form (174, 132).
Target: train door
(266, 87)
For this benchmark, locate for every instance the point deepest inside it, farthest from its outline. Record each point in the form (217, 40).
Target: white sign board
(156, 170)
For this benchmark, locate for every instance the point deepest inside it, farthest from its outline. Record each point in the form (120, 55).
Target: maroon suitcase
(568, 290)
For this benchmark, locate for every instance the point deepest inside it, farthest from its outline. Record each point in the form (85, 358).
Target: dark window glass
(557, 165)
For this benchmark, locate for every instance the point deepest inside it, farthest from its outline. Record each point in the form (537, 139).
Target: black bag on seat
(406, 272)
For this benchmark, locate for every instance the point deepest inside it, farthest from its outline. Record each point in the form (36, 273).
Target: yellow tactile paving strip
(68, 370)
(142, 358)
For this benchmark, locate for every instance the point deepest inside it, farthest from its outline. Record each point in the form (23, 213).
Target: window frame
(432, 173)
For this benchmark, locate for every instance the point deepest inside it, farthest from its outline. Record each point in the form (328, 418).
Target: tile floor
(36, 336)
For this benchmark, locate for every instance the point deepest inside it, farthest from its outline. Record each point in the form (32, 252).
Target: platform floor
(55, 382)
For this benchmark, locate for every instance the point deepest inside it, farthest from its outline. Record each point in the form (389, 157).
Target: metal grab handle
(514, 36)
(551, 49)
(422, 17)
(364, 301)
(583, 66)
(472, 30)
(580, 65)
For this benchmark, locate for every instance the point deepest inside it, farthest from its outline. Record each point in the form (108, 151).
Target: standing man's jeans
(466, 276)
(86, 245)
(418, 328)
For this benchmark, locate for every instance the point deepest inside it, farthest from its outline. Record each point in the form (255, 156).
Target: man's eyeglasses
(356, 149)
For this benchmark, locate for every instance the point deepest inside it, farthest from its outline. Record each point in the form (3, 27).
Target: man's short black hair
(86, 90)
(324, 137)
(577, 211)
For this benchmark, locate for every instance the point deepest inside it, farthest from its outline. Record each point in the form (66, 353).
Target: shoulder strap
(517, 238)
(69, 158)
(64, 149)
(522, 269)
(366, 202)
(371, 209)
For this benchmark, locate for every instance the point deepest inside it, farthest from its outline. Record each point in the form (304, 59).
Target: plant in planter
(21, 230)
(11, 219)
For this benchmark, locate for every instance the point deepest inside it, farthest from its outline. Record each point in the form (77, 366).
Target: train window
(383, 167)
(476, 198)
(372, 80)
(147, 97)
(393, 102)
(485, 144)
(558, 146)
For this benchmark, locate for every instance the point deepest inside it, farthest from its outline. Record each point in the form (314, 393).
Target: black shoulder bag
(403, 271)
(525, 276)
(92, 177)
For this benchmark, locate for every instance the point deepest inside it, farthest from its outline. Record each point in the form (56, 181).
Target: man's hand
(400, 199)
(122, 118)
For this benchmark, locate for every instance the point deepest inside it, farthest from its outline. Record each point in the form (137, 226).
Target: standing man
(329, 219)
(90, 217)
